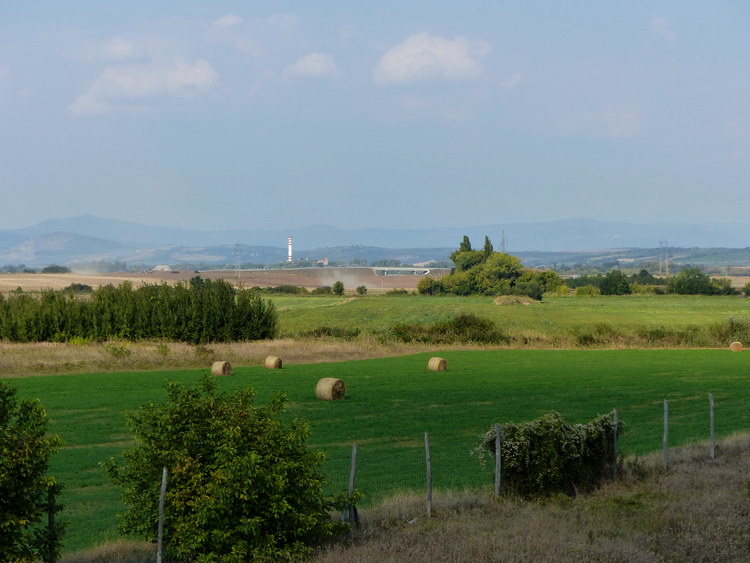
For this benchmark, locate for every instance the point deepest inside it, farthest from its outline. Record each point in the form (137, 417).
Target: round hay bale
(330, 389)
(736, 346)
(437, 364)
(221, 368)
(272, 362)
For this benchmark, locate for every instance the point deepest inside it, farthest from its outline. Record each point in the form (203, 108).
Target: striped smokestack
(289, 255)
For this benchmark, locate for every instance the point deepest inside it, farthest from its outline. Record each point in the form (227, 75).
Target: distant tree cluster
(197, 312)
(488, 272)
(17, 269)
(690, 281)
(55, 269)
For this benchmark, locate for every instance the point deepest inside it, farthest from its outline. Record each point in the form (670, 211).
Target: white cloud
(314, 64)
(229, 20)
(424, 57)
(131, 86)
(611, 123)
(119, 49)
(660, 28)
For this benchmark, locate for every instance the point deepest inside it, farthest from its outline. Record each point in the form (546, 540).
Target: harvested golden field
(303, 277)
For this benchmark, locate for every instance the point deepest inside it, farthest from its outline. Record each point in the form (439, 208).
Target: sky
(242, 115)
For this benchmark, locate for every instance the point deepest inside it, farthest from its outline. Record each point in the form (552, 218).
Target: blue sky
(407, 114)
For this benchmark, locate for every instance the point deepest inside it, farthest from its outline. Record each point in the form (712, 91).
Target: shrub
(465, 327)
(25, 486)
(242, 483)
(325, 290)
(588, 290)
(362, 290)
(79, 288)
(599, 333)
(397, 292)
(548, 456)
(288, 290)
(333, 332)
(337, 288)
(731, 329)
(429, 286)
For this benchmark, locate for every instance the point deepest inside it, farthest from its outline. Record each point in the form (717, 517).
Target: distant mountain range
(87, 238)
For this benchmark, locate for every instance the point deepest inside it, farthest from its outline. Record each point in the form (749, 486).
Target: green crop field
(391, 403)
(553, 316)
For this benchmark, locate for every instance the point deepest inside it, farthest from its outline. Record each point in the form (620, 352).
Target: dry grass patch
(48, 358)
(697, 511)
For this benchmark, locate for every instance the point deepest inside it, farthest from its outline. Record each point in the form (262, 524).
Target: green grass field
(390, 404)
(553, 316)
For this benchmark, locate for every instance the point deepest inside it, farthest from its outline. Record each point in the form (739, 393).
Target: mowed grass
(554, 315)
(391, 402)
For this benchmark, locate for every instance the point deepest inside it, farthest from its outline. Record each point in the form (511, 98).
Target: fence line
(443, 469)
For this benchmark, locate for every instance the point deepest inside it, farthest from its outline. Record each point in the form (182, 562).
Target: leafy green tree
(362, 290)
(465, 261)
(722, 286)
(645, 278)
(25, 487)
(615, 283)
(429, 286)
(464, 246)
(338, 288)
(691, 281)
(242, 483)
(487, 247)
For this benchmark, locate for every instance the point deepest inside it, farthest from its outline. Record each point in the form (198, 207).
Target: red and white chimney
(289, 254)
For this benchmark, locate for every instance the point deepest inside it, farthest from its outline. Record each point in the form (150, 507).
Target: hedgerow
(198, 312)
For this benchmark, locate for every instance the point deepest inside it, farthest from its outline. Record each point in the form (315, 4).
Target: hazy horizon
(229, 116)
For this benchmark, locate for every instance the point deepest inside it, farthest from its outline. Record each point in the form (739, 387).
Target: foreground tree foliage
(489, 273)
(198, 312)
(243, 485)
(25, 487)
(548, 456)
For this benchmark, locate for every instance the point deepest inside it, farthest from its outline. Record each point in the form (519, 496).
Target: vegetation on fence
(548, 456)
(242, 484)
(198, 312)
(27, 492)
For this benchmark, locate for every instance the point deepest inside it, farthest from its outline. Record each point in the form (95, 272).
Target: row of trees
(198, 312)
(488, 272)
(691, 281)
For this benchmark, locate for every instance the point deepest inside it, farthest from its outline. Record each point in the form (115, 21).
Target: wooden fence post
(51, 534)
(350, 512)
(428, 465)
(712, 442)
(498, 460)
(665, 437)
(162, 494)
(616, 423)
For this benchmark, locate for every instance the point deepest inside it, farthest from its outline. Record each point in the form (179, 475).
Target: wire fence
(384, 468)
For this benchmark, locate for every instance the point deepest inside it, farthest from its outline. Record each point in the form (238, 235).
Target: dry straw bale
(437, 364)
(330, 389)
(736, 346)
(272, 362)
(221, 368)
